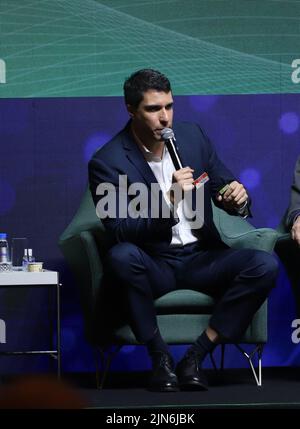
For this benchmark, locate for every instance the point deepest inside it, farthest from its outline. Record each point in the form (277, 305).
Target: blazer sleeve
(119, 222)
(294, 206)
(220, 176)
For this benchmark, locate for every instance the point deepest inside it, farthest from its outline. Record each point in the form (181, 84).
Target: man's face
(154, 113)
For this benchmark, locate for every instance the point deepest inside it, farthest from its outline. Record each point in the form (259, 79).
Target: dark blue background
(44, 150)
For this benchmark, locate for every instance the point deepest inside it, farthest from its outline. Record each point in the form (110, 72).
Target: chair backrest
(85, 219)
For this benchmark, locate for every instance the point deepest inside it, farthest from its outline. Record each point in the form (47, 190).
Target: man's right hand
(182, 178)
(295, 231)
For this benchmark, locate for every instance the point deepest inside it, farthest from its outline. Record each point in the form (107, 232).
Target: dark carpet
(231, 389)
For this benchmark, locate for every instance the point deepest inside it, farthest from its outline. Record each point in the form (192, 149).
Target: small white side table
(45, 278)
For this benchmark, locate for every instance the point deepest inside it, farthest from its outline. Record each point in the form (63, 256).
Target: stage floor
(234, 389)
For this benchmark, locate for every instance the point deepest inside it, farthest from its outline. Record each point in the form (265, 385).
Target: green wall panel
(70, 48)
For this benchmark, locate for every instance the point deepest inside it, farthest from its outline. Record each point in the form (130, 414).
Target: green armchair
(182, 314)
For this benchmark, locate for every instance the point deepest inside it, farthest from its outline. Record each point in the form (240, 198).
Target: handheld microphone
(168, 137)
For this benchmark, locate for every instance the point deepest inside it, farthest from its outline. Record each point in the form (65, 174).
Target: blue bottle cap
(3, 236)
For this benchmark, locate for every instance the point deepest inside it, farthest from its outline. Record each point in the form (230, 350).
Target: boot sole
(193, 386)
(163, 389)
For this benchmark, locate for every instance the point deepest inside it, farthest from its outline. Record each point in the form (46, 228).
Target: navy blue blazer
(294, 207)
(122, 156)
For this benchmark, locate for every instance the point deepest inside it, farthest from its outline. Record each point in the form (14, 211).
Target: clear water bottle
(25, 260)
(5, 263)
(31, 258)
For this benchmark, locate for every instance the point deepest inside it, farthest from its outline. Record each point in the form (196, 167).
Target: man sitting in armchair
(154, 255)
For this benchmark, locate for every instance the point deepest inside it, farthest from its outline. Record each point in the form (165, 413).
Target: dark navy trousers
(239, 280)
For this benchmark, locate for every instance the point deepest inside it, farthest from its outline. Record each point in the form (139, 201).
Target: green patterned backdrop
(54, 48)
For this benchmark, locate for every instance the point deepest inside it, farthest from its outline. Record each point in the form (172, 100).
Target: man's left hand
(234, 197)
(295, 231)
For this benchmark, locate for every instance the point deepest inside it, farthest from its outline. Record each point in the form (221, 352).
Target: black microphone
(168, 137)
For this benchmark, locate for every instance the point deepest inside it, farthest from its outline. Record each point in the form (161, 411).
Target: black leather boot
(190, 374)
(163, 378)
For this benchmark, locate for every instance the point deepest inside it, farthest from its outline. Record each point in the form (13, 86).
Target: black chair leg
(222, 359)
(105, 357)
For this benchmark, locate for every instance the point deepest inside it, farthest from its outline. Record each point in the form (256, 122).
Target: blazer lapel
(188, 159)
(186, 155)
(136, 157)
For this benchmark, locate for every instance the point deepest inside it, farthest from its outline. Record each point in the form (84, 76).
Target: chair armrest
(284, 237)
(238, 233)
(260, 239)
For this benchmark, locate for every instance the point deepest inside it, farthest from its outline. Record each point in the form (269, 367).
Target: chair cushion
(185, 328)
(184, 301)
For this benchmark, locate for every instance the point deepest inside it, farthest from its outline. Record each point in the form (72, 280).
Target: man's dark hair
(142, 81)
